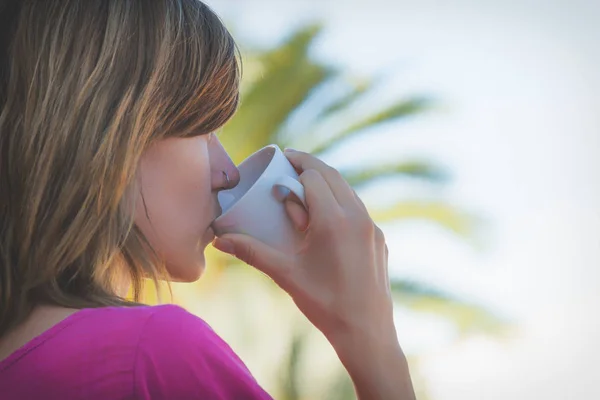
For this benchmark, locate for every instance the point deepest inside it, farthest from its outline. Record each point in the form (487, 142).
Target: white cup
(255, 206)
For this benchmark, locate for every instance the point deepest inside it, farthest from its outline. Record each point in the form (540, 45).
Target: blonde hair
(85, 88)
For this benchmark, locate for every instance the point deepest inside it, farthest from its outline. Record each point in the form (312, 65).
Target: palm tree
(291, 99)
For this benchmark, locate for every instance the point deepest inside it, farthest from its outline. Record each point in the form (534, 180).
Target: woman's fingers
(381, 260)
(342, 192)
(359, 201)
(320, 200)
(277, 265)
(297, 213)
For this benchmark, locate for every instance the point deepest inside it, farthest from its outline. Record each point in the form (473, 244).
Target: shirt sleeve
(180, 357)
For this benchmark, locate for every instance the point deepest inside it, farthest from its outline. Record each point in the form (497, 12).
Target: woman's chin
(190, 272)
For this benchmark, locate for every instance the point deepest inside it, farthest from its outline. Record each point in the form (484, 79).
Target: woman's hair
(85, 88)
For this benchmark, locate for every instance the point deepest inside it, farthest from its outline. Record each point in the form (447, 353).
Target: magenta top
(158, 352)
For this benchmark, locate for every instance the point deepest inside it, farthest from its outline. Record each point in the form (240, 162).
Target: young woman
(109, 174)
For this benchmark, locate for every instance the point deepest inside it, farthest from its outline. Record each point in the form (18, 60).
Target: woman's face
(180, 179)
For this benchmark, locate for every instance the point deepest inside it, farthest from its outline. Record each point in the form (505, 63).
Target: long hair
(85, 88)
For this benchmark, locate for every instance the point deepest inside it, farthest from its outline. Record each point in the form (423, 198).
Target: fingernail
(224, 245)
(288, 150)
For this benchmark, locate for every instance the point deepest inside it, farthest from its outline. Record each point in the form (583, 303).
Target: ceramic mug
(256, 205)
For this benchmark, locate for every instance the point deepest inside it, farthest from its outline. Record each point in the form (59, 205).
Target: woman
(109, 171)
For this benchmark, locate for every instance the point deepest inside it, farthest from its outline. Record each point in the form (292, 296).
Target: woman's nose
(224, 173)
(224, 179)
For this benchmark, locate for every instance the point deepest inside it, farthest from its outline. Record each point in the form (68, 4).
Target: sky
(520, 131)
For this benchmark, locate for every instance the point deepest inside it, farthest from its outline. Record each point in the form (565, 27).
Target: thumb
(255, 253)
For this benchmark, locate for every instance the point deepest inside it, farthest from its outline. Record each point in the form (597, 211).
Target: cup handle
(288, 184)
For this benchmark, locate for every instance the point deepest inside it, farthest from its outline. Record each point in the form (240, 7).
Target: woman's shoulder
(152, 329)
(132, 323)
(143, 322)
(171, 333)
(170, 327)
(167, 318)
(134, 312)
(166, 350)
(179, 353)
(163, 331)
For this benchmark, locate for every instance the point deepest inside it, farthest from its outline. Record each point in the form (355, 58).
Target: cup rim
(275, 147)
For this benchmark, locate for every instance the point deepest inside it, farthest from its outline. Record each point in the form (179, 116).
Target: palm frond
(295, 46)
(415, 169)
(357, 90)
(288, 78)
(400, 109)
(467, 317)
(440, 213)
(290, 384)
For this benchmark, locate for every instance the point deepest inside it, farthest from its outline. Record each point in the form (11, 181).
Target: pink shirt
(159, 352)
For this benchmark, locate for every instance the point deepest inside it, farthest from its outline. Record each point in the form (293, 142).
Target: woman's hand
(339, 278)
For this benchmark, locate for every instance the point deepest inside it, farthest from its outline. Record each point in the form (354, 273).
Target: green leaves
(342, 103)
(290, 378)
(440, 213)
(400, 109)
(467, 317)
(416, 169)
(288, 75)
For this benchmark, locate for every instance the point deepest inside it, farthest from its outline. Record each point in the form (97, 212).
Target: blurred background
(471, 130)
